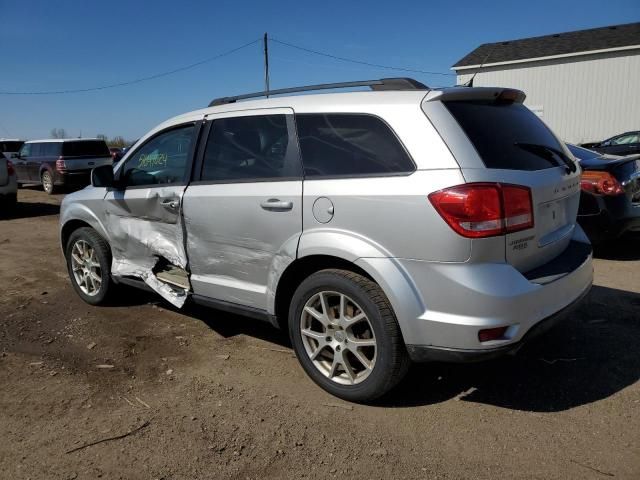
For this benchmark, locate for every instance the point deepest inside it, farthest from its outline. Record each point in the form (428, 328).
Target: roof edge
(549, 57)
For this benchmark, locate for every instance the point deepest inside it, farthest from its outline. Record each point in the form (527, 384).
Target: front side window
(349, 145)
(25, 151)
(250, 148)
(162, 160)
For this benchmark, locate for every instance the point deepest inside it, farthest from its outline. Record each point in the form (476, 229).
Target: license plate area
(552, 220)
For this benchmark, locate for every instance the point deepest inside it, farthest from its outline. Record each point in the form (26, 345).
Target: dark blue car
(610, 199)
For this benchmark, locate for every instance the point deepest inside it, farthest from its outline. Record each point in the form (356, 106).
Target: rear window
(86, 148)
(349, 145)
(503, 134)
(9, 146)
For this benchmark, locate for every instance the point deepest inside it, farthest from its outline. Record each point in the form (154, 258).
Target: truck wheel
(89, 265)
(346, 336)
(47, 182)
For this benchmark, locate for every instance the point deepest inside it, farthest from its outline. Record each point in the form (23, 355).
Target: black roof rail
(382, 84)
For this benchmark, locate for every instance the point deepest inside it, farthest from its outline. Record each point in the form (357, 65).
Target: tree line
(116, 141)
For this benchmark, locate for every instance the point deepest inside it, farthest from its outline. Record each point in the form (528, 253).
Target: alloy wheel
(338, 337)
(86, 268)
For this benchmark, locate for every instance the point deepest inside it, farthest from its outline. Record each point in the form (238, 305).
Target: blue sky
(60, 44)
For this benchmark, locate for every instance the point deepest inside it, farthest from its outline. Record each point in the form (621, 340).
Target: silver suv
(379, 227)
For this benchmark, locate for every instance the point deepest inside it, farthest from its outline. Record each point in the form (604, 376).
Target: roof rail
(382, 84)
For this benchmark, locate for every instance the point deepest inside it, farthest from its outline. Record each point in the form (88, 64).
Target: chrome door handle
(172, 204)
(276, 205)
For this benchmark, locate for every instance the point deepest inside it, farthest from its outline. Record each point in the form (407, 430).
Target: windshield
(86, 148)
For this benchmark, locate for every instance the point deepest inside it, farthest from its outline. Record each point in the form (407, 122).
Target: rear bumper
(71, 177)
(607, 218)
(9, 189)
(421, 353)
(459, 300)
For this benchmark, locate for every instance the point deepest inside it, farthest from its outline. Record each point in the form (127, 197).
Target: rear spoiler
(476, 93)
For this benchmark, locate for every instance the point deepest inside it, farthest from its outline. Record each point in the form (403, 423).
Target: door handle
(170, 203)
(276, 205)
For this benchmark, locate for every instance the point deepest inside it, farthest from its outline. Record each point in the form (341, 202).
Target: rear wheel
(346, 336)
(47, 182)
(89, 265)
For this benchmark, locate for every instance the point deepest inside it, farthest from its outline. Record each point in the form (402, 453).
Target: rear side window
(507, 135)
(9, 146)
(51, 149)
(86, 148)
(250, 148)
(349, 145)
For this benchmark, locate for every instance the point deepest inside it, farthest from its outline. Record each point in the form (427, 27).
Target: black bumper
(71, 178)
(420, 353)
(607, 218)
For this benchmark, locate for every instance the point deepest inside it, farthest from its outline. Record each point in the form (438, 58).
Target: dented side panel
(236, 248)
(143, 229)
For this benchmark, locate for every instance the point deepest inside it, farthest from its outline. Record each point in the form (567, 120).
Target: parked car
(624, 144)
(378, 228)
(116, 153)
(60, 162)
(9, 147)
(8, 184)
(610, 200)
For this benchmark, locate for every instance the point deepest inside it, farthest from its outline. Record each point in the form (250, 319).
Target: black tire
(392, 360)
(46, 179)
(103, 254)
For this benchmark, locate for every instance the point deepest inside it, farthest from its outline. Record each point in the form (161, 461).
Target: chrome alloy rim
(338, 337)
(86, 268)
(46, 181)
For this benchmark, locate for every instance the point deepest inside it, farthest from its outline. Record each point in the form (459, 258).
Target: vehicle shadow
(625, 248)
(589, 357)
(29, 210)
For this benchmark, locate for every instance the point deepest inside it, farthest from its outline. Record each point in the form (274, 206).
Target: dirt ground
(217, 396)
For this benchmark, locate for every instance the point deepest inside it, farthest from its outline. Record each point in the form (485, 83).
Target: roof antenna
(470, 82)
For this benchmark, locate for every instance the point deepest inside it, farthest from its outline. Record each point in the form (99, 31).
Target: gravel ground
(209, 395)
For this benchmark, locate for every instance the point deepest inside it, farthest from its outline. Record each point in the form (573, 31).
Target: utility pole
(266, 65)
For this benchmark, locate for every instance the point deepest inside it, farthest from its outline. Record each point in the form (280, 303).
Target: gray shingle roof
(556, 44)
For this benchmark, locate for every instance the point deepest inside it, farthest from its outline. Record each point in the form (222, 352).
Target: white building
(585, 84)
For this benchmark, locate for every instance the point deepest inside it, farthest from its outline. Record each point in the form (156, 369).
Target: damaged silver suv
(379, 227)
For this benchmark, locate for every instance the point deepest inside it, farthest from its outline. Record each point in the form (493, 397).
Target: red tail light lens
(489, 334)
(10, 169)
(60, 165)
(600, 183)
(478, 210)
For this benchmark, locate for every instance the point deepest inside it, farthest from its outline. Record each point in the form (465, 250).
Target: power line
(351, 60)
(138, 80)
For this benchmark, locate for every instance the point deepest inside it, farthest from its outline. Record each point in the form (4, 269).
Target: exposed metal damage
(144, 247)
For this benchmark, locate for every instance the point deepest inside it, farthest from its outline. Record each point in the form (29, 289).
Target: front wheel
(47, 182)
(89, 265)
(346, 336)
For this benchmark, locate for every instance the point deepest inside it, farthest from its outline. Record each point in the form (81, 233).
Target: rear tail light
(10, 169)
(600, 183)
(60, 165)
(489, 334)
(477, 210)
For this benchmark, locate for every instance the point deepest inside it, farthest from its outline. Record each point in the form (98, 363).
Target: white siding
(581, 98)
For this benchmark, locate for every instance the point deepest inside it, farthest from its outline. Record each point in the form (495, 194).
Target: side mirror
(102, 176)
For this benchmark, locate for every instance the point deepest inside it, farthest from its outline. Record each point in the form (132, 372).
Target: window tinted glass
(503, 134)
(51, 149)
(86, 148)
(625, 139)
(36, 149)
(254, 147)
(162, 160)
(8, 146)
(347, 144)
